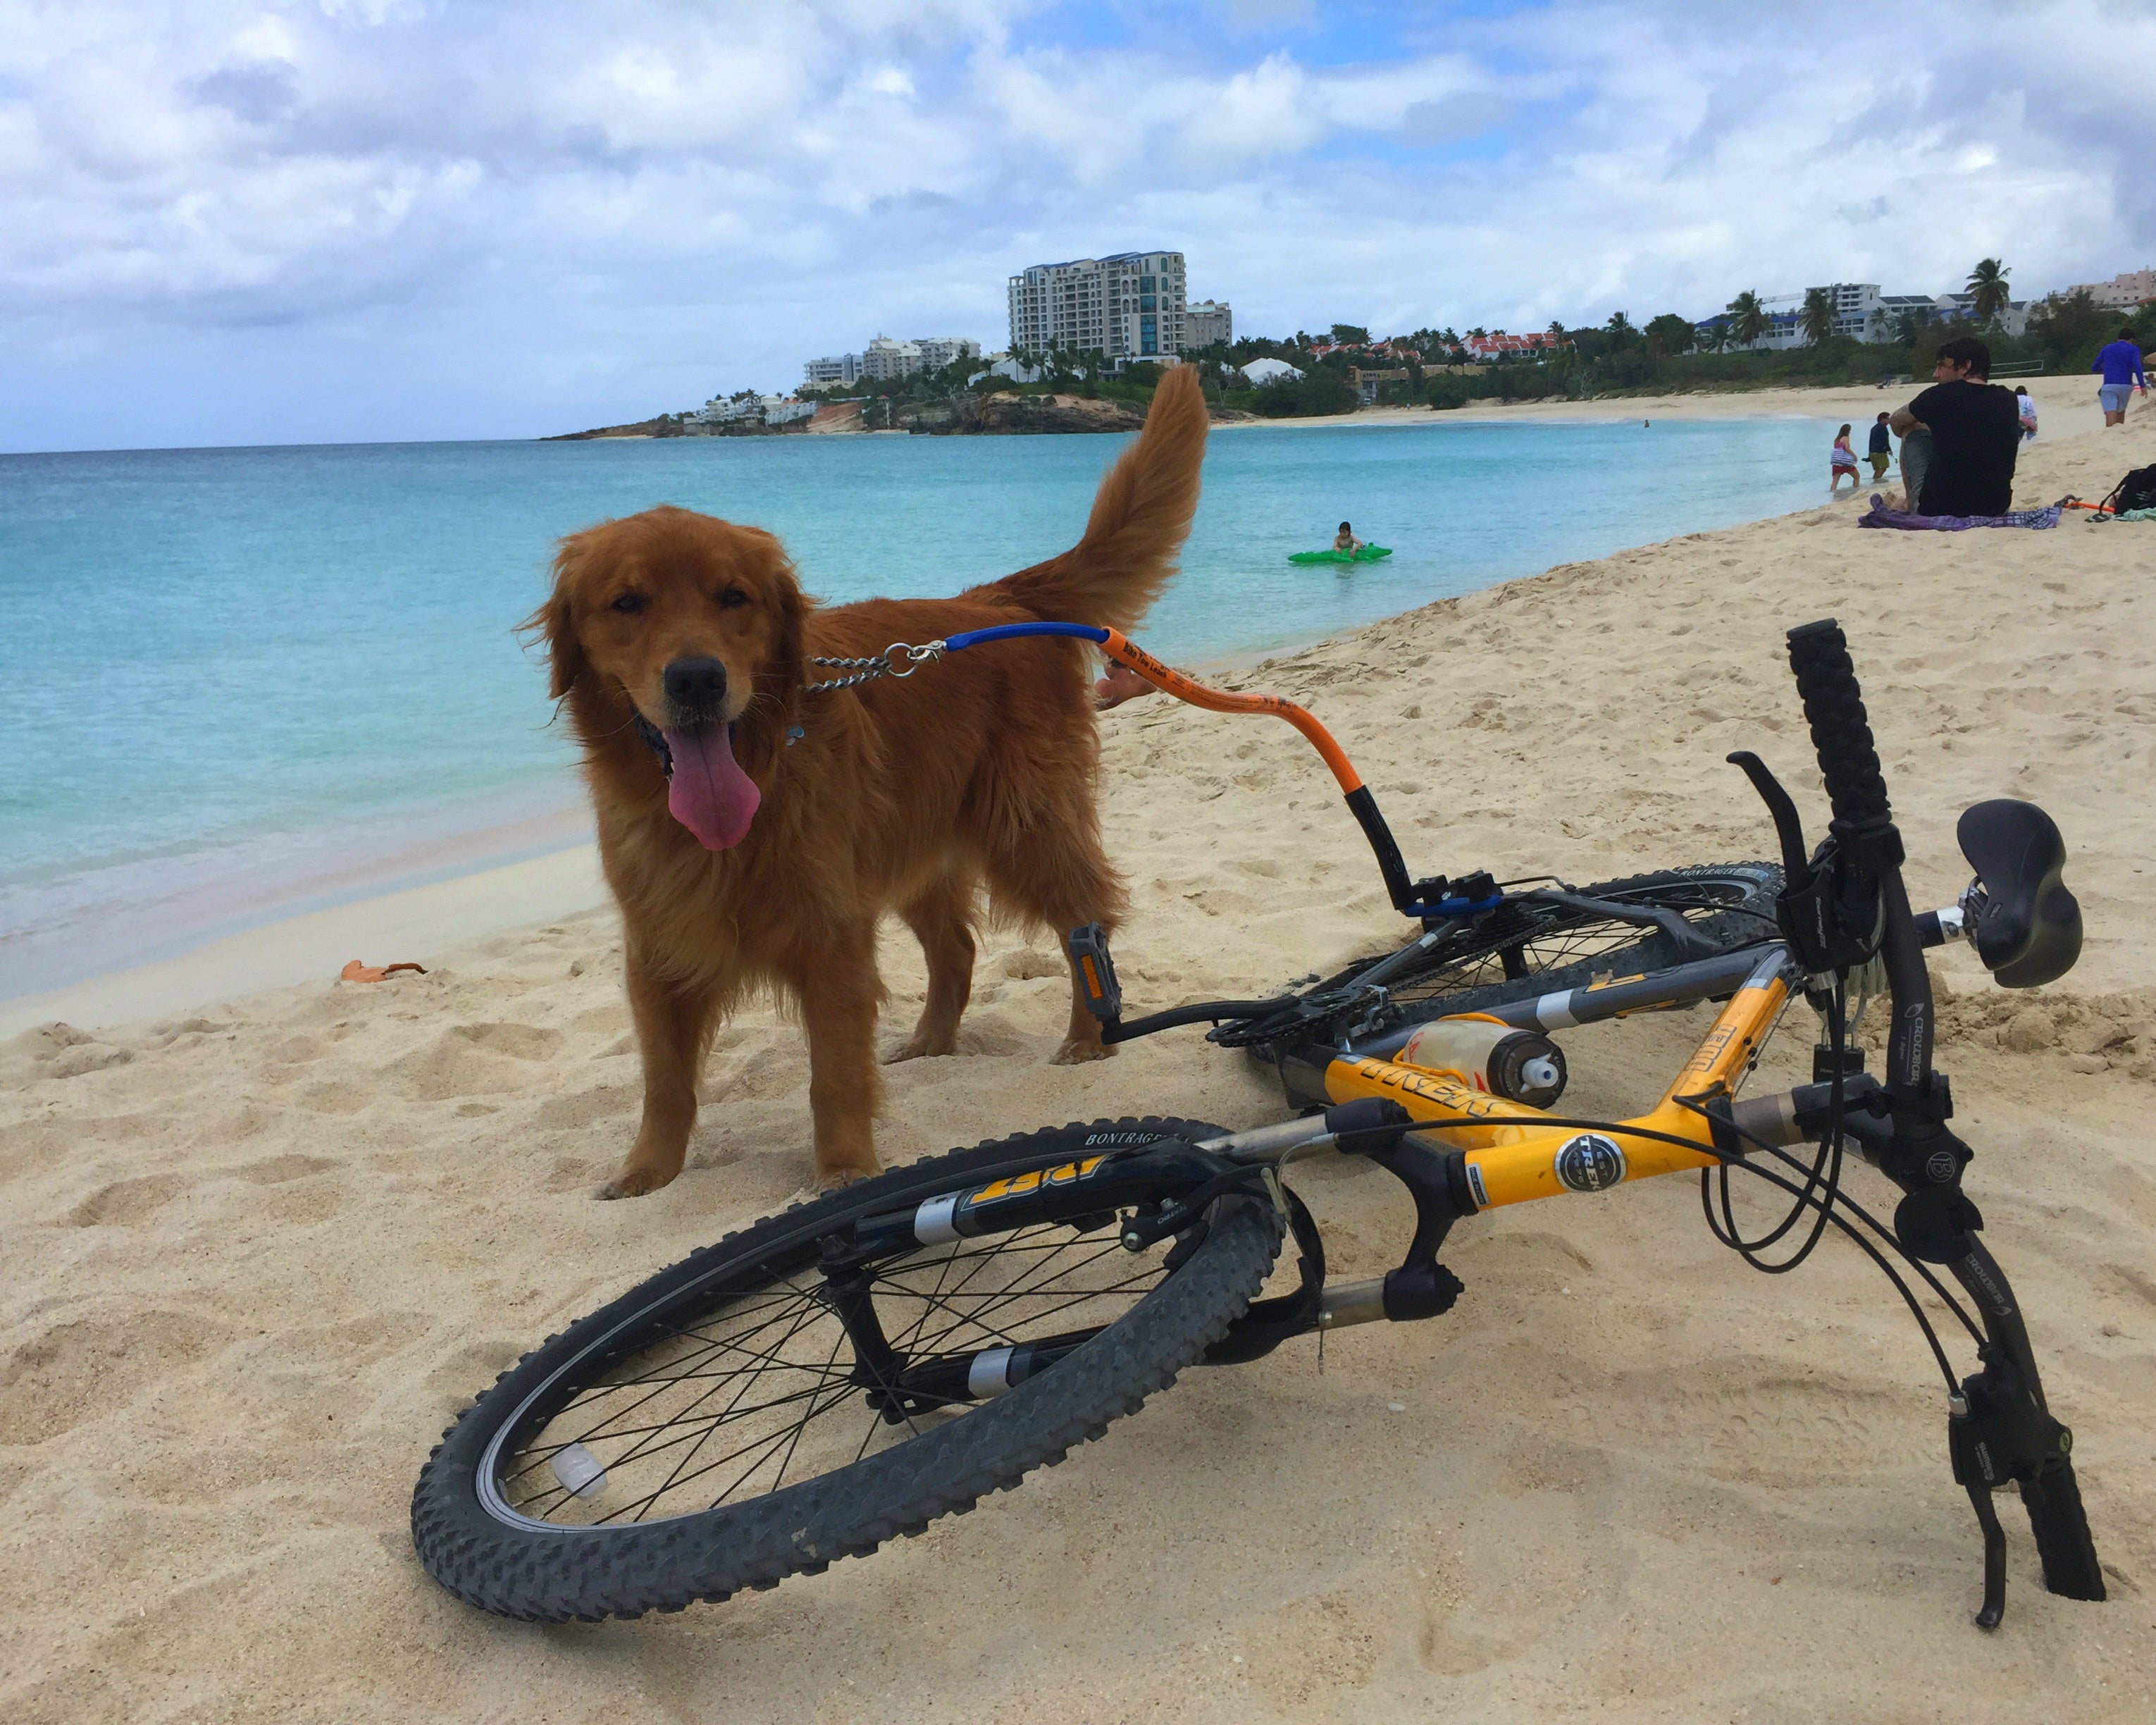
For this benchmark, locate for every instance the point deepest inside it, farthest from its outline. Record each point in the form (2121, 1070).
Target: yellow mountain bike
(891, 1353)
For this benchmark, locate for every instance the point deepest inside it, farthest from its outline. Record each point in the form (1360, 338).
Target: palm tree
(1818, 316)
(1748, 318)
(1986, 288)
(1669, 333)
(1621, 331)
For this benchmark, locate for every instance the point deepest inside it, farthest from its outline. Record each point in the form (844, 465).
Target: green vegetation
(1669, 354)
(1987, 290)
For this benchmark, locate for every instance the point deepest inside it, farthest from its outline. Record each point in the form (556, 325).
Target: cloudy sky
(327, 219)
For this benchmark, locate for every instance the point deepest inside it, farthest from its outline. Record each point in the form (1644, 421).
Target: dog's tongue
(709, 793)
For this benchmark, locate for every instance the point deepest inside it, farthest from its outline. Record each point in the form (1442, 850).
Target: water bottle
(1488, 1055)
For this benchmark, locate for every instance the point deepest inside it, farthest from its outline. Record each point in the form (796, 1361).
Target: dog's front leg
(840, 992)
(671, 1019)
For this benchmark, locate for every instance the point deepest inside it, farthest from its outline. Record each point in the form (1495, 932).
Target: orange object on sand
(356, 972)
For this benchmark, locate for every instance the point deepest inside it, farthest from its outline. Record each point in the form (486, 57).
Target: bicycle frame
(1511, 1158)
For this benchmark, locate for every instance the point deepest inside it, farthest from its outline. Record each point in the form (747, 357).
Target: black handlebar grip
(1841, 731)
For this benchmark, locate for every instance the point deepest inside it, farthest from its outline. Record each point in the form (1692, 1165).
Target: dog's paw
(838, 1180)
(1076, 1053)
(634, 1182)
(918, 1047)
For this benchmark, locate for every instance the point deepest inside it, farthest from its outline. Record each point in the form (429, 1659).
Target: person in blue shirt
(2121, 366)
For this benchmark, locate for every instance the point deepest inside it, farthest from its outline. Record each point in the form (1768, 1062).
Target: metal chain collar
(885, 663)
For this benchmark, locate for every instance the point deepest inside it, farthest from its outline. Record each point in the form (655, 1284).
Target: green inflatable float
(1368, 554)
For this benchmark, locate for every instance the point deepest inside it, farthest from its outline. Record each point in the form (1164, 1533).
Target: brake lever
(1788, 828)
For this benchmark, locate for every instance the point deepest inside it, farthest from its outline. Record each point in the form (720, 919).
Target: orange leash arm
(1126, 653)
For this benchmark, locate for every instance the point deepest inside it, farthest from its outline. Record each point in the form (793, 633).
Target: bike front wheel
(750, 1413)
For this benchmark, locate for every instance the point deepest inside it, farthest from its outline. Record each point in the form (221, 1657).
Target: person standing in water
(1842, 460)
(1883, 449)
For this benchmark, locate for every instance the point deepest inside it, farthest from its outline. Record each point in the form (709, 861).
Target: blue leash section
(1013, 631)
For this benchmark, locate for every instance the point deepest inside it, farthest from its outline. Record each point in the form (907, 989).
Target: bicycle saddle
(2028, 927)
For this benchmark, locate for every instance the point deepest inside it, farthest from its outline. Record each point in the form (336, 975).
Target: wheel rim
(760, 1388)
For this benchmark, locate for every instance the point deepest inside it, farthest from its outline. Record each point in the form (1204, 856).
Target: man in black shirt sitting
(1976, 433)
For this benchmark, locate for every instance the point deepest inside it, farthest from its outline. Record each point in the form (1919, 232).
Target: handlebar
(1841, 730)
(1851, 899)
(1868, 843)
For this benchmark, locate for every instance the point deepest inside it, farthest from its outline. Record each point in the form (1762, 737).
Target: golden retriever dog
(754, 834)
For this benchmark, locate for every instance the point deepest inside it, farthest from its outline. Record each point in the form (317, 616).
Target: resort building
(1128, 306)
(1864, 314)
(1208, 323)
(937, 351)
(746, 407)
(2122, 292)
(885, 359)
(1490, 346)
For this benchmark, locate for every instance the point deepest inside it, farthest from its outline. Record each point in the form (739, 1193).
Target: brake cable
(1833, 1213)
(1827, 1162)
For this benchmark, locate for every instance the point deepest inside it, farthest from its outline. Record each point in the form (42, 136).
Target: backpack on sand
(2137, 491)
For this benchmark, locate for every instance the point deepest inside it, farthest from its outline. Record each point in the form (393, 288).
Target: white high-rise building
(1128, 306)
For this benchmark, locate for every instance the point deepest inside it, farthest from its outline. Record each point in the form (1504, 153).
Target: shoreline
(401, 923)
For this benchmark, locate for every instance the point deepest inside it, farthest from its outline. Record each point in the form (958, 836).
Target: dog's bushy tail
(1141, 517)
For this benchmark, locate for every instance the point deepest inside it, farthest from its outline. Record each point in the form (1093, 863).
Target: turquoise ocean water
(242, 682)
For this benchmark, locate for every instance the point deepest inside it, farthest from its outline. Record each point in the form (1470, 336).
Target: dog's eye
(630, 603)
(732, 597)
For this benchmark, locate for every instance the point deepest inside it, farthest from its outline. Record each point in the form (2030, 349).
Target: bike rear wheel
(717, 1428)
(1522, 949)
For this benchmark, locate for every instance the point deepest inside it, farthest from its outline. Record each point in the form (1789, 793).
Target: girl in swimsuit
(1842, 460)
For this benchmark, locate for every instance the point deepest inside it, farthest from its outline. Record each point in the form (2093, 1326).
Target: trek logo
(1018, 1185)
(1457, 1097)
(1589, 1162)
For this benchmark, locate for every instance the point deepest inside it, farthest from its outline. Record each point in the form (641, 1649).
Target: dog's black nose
(696, 686)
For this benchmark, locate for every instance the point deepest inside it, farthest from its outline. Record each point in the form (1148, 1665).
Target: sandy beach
(259, 1247)
(2066, 406)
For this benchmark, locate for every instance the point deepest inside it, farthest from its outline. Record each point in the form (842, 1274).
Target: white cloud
(376, 218)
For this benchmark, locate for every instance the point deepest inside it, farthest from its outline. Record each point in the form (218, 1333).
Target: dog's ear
(776, 707)
(554, 623)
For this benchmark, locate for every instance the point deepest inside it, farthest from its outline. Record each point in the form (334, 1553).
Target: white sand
(254, 1257)
(2066, 406)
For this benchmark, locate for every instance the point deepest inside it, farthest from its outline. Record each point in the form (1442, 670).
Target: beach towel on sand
(1879, 515)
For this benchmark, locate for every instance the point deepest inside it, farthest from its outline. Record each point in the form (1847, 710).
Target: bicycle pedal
(1088, 946)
